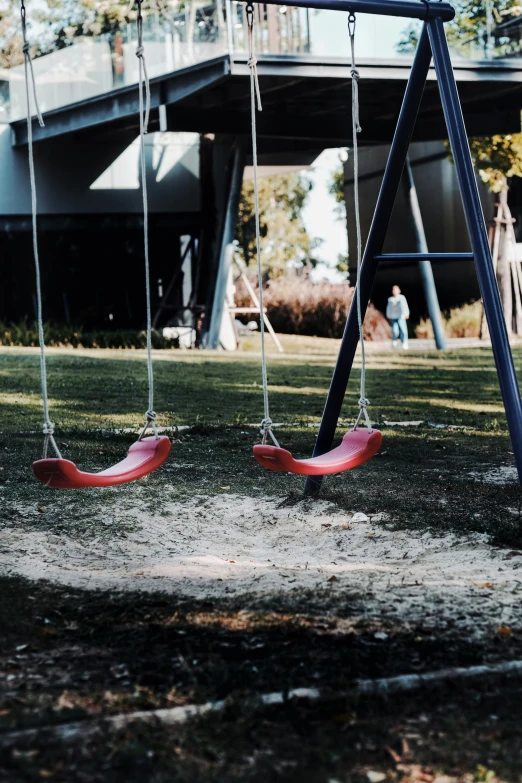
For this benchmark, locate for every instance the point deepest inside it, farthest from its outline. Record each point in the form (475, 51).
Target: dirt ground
(213, 580)
(226, 545)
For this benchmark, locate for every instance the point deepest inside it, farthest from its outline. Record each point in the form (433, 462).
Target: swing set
(146, 454)
(358, 446)
(360, 443)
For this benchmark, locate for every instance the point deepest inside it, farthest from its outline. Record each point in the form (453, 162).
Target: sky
(320, 216)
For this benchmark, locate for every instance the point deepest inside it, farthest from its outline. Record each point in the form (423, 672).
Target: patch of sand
(229, 545)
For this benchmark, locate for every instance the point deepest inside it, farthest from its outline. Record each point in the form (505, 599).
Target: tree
(473, 25)
(59, 22)
(284, 238)
(337, 190)
(498, 159)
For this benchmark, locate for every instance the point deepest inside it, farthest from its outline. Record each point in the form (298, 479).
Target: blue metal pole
(428, 281)
(381, 218)
(478, 236)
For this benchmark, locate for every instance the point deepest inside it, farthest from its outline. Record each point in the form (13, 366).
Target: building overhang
(306, 102)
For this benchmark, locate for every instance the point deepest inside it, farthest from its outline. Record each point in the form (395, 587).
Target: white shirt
(397, 307)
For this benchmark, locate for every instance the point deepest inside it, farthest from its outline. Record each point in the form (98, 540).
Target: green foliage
(471, 19)
(461, 321)
(295, 305)
(410, 38)
(337, 188)
(469, 25)
(58, 22)
(284, 238)
(342, 263)
(497, 158)
(25, 334)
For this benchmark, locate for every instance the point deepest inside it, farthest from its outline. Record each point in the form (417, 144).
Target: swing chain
(144, 111)
(266, 430)
(363, 405)
(252, 59)
(30, 82)
(143, 77)
(255, 97)
(150, 421)
(28, 65)
(351, 24)
(356, 128)
(354, 73)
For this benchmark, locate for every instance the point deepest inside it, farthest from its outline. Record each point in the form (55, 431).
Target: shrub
(298, 306)
(461, 321)
(25, 333)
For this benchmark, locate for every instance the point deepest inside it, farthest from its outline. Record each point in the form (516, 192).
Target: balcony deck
(306, 101)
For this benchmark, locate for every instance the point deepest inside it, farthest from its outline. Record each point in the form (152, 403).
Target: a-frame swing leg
(478, 237)
(433, 31)
(381, 218)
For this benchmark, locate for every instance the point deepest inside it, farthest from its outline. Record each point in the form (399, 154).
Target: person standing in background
(397, 313)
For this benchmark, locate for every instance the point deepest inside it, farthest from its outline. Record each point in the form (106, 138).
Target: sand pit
(229, 545)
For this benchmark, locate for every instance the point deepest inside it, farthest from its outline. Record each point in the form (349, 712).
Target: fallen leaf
(231, 561)
(342, 717)
(482, 584)
(26, 755)
(375, 777)
(504, 630)
(415, 772)
(50, 773)
(64, 702)
(333, 578)
(395, 756)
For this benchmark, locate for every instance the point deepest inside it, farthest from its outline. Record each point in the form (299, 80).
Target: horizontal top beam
(411, 9)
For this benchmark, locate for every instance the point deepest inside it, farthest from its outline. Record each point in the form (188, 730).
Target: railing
(94, 66)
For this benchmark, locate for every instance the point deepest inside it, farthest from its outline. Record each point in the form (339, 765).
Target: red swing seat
(356, 447)
(143, 458)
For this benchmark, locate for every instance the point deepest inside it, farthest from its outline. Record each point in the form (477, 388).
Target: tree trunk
(504, 262)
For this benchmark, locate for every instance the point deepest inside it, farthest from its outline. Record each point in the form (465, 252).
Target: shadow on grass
(72, 655)
(89, 392)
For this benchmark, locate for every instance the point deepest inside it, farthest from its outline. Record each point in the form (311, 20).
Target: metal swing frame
(432, 44)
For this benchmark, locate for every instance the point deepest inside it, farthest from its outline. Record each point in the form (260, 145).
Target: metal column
(428, 282)
(225, 259)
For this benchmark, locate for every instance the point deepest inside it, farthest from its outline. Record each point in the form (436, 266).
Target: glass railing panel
(90, 67)
(65, 76)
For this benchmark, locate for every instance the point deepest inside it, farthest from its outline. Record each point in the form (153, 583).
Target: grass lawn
(68, 654)
(219, 395)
